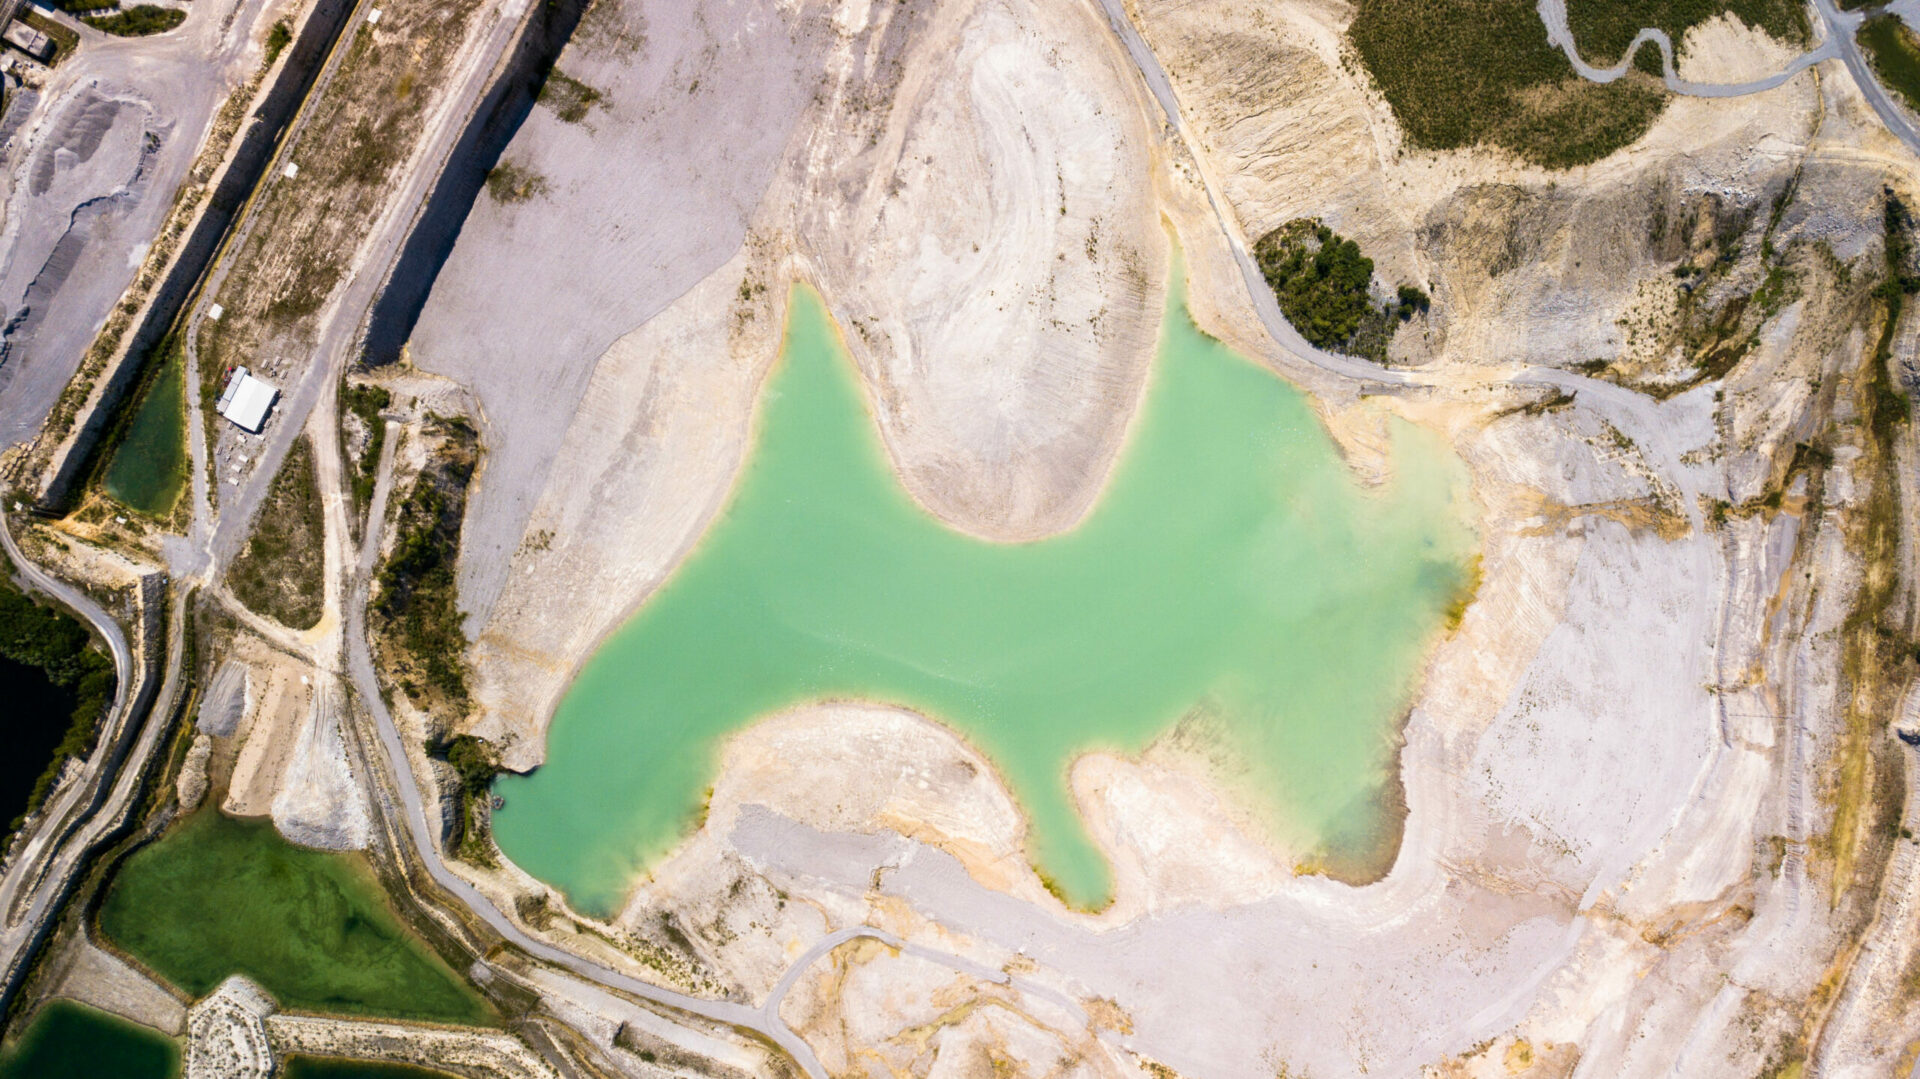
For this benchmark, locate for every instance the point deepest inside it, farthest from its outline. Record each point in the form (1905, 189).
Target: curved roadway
(1840, 28)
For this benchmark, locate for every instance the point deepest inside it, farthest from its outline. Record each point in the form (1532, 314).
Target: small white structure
(247, 400)
(214, 313)
(30, 41)
(291, 170)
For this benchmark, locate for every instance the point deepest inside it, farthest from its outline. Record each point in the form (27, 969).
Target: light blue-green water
(1232, 570)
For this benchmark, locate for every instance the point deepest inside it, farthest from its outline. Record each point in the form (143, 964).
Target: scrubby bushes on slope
(1466, 73)
(1325, 288)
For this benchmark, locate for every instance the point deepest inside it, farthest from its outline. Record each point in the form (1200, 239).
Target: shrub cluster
(278, 39)
(139, 21)
(366, 402)
(1325, 288)
(417, 598)
(475, 761)
(1895, 54)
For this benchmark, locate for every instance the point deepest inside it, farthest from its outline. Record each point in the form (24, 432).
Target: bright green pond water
(148, 469)
(218, 896)
(65, 1040)
(1231, 569)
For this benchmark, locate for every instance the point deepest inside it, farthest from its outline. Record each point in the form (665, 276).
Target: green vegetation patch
(1604, 28)
(477, 763)
(139, 21)
(510, 183)
(1325, 288)
(280, 574)
(65, 1040)
(415, 607)
(219, 896)
(1468, 73)
(364, 402)
(56, 642)
(1895, 55)
(149, 467)
(278, 39)
(568, 97)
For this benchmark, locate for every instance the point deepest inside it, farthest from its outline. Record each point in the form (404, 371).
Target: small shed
(247, 400)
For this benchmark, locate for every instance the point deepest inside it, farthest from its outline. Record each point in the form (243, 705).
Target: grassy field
(69, 1041)
(1604, 28)
(280, 573)
(218, 896)
(1895, 55)
(568, 97)
(1876, 649)
(509, 183)
(1479, 73)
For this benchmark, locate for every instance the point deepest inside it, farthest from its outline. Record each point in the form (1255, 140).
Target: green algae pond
(1232, 572)
(64, 1040)
(218, 896)
(148, 469)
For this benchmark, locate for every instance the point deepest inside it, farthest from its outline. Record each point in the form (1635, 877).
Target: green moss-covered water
(65, 1040)
(1232, 571)
(148, 469)
(218, 896)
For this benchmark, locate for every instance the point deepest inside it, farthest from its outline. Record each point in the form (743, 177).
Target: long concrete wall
(231, 188)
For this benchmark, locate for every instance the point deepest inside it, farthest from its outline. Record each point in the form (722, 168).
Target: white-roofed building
(247, 400)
